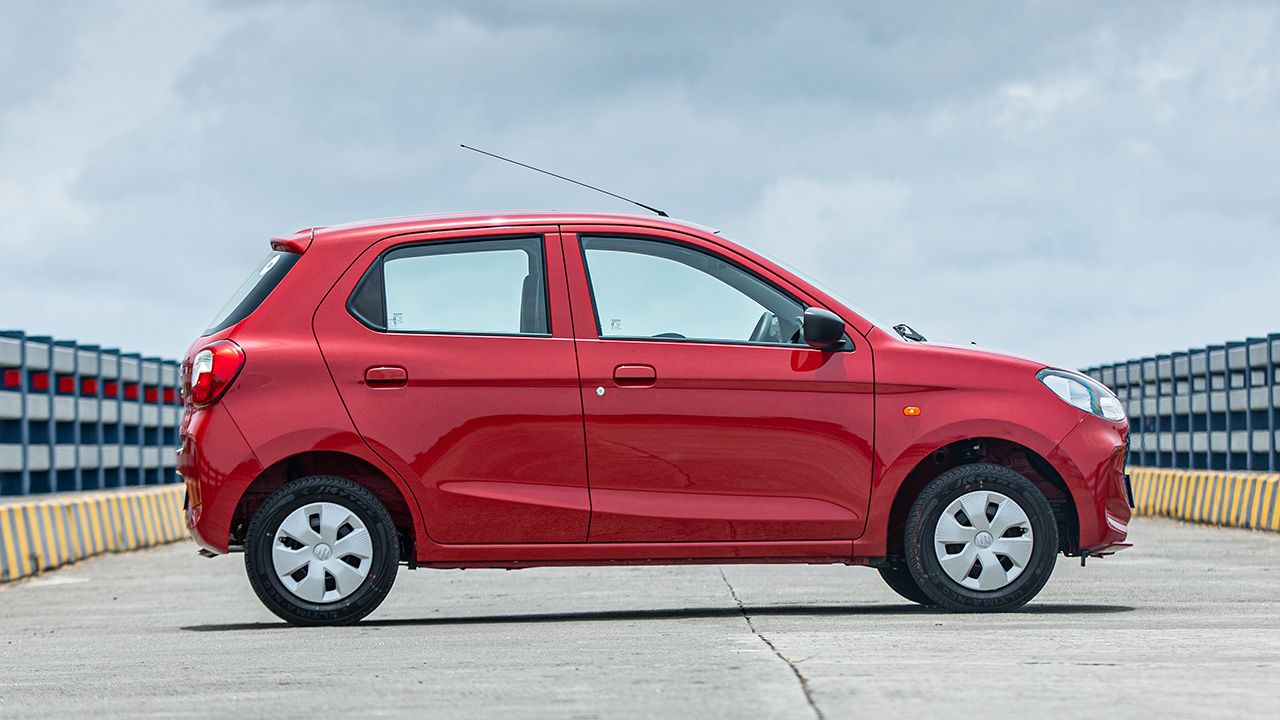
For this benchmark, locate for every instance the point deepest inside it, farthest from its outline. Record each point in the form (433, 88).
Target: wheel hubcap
(322, 552)
(983, 540)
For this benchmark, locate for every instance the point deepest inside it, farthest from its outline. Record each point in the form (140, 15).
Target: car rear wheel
(980, 538)
(322, 551)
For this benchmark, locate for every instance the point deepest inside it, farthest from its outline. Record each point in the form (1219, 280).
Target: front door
(454, 354)
(707, 418)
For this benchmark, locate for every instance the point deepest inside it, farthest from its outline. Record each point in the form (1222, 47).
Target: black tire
(384, 562)
(899, 579)
(922, 559)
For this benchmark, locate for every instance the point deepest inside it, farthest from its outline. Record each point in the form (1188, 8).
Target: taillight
(213, 370)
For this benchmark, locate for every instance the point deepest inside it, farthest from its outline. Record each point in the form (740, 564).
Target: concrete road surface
(1186, 624)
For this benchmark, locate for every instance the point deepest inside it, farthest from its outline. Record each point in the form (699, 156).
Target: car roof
(491, 218)
(366, 230)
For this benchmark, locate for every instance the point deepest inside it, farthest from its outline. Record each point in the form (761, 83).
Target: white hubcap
(983, 540)
(322, 552)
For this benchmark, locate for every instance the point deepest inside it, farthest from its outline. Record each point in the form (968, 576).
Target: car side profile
(510, 390)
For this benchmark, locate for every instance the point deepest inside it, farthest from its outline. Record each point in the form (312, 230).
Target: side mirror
(823, 329)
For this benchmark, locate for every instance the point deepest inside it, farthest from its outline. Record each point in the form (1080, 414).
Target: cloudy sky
(1082, 182)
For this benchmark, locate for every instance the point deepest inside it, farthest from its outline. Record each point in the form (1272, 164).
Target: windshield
(253, 291)
(823, 287)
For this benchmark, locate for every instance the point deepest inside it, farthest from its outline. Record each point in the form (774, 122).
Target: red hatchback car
(538, 388)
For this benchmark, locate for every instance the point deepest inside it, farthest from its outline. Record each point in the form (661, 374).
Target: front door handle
(634, 375)
(386, 376)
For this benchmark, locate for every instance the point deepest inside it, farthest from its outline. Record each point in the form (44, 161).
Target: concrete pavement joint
(804, 682)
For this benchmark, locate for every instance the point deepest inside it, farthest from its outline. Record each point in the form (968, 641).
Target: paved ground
(1187, 624)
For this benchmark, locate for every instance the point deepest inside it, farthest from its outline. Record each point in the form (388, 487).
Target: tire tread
(261, 533)
(918, 539)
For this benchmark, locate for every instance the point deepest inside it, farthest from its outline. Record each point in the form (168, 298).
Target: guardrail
(1211, 408)
(39, 534)
(80, 417)
(1232, 499)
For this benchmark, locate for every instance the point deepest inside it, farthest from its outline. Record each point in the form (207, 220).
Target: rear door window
(474, 287)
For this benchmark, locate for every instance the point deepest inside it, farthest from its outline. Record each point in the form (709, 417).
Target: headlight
(1083, 392)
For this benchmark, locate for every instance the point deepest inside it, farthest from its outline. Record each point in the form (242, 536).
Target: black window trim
(376, 269)
(848, 345)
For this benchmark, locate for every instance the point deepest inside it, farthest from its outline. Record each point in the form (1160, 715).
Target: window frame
(582, 237)
(375, 272)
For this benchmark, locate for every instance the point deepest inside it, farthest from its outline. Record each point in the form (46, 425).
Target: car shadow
(682, 614)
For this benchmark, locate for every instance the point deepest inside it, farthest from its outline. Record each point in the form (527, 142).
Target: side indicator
(911, 411)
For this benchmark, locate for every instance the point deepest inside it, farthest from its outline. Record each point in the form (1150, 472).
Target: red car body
(569, 449)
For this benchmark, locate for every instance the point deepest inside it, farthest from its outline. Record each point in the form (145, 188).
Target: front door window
(645, 289)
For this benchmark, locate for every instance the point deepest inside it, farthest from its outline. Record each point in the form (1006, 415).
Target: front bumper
(1091, 460)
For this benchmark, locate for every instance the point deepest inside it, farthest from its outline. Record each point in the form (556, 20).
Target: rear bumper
(217, 465)
(1091, 460)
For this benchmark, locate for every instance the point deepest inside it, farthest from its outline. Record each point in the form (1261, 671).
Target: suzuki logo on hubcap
(323, 551)
(983, 539)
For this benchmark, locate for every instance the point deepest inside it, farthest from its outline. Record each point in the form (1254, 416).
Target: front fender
(895, 463)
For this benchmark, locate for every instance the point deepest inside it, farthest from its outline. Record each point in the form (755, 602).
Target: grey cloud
(1082, 182)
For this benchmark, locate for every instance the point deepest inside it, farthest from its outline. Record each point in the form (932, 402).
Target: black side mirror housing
(823, 329)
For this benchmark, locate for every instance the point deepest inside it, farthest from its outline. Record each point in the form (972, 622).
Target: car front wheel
(898, 578)
(981, 537)
(322, 551)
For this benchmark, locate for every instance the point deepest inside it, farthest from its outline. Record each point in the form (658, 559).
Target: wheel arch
(997, 451)
(402, 509)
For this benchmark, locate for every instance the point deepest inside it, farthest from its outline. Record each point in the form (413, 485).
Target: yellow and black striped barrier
(44, 533)
(1234, 499)
(40, 534)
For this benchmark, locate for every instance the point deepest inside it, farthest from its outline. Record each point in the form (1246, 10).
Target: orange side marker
(911, 411)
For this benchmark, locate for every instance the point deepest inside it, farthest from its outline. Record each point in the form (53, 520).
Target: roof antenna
(575, 182)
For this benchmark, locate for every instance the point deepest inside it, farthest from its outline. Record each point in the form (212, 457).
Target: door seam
(577, 363)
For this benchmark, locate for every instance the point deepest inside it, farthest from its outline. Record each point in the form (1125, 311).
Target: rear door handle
(634, 375)
(386, 376)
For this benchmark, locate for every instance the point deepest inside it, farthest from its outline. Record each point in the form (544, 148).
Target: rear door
(707, 419)
(454, 354)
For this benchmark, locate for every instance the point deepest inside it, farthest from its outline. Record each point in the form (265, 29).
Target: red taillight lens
(213, 370)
